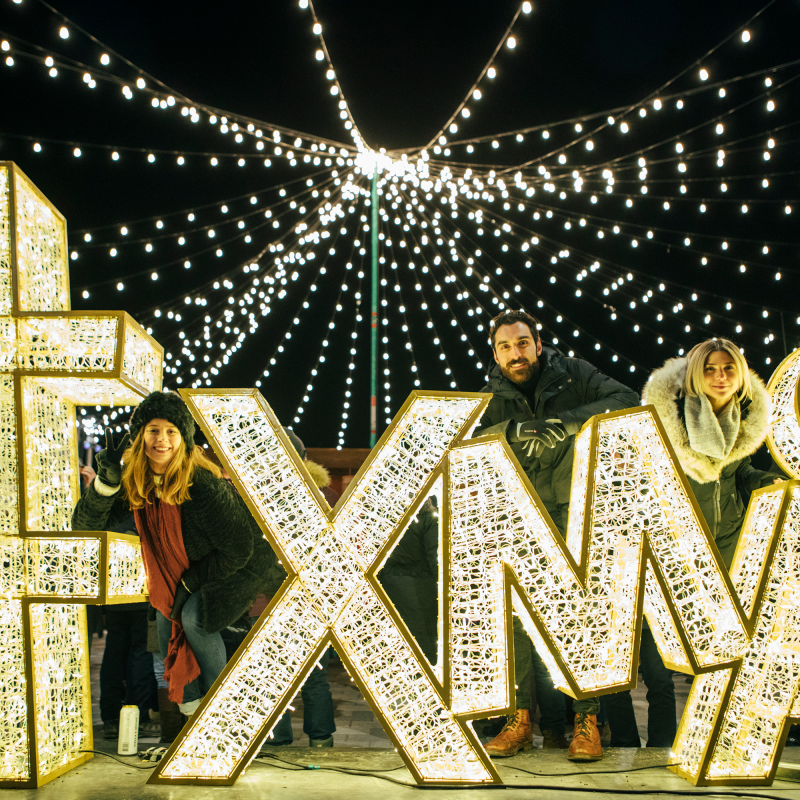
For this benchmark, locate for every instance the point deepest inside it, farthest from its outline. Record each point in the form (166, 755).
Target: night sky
(403, 69)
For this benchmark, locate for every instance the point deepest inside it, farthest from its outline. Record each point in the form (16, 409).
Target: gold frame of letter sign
(52, 359)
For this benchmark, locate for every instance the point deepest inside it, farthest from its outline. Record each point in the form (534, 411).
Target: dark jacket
(720, 485)
(569, 389)
(221, 538)
(416, 555)
(410, 578)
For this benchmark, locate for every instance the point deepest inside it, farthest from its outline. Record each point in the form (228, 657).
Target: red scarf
(165, 560)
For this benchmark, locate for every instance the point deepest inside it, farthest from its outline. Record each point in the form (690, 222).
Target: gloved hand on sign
(538, 434)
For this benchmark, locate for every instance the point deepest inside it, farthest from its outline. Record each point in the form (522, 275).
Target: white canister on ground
(128, 731)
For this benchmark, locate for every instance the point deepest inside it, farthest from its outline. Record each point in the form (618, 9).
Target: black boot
(172, 721)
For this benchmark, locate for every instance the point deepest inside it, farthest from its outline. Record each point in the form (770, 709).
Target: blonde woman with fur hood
(715, 411)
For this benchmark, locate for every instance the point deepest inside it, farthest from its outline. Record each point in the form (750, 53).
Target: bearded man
(541, 399)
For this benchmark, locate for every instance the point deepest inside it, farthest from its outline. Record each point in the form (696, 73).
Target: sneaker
(585, 744)
(149, 730)
(320, 742)
(515, 736)
(111, 729)
(152, 754)
(554, 741)
(187, 709)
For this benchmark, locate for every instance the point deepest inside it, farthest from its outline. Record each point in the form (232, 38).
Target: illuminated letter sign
(636, 541)
(331, 595)
(50, 360)
(636, 546)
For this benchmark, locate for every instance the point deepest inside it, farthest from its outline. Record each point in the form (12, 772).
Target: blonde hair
(138, 477)
(696, 362)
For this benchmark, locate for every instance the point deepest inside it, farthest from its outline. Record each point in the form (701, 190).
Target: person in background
(318, 722)
(715, 411)
(94, 614)
(410, 578)
(205, 557)
(540, 400)
(126, 672)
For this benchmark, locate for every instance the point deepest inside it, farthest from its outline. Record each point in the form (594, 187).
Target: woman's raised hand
(109, 461)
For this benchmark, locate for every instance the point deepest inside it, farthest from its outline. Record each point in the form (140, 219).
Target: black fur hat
(168, 406)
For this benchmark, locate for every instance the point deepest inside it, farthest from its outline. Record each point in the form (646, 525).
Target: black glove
(109, 461)
(189, 583)
(538, 434)
(182, 594)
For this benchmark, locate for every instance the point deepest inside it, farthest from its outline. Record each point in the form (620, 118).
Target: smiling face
(516, 351)
(721, 379)
(162, 441)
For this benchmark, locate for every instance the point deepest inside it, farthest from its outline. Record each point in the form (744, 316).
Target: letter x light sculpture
(331, 595)
(52, 359)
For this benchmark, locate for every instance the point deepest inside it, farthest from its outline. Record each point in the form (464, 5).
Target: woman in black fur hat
(205, 557)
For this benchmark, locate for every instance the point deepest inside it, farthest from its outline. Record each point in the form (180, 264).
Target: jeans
(126, 674)
(208, 648)
(662, 726)
(317, 708)
(550, 700)
(158, 669)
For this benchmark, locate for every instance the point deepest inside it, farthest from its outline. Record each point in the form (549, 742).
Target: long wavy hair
(138, 477)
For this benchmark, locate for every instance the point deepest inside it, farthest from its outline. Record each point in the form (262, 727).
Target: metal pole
(783, 331)
(373, 409)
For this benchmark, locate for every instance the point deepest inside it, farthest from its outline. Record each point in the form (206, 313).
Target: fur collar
(318, 473)
(662, 391)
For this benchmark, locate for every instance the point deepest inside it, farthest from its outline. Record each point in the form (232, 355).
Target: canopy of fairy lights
(560, 218)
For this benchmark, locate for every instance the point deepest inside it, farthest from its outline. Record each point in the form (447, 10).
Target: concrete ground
(361, 744)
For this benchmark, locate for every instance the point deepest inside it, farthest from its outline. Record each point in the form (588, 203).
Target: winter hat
(168, 406)
(296, 441)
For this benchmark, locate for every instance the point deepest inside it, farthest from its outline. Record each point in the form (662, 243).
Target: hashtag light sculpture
(331, 595)
(52, 359)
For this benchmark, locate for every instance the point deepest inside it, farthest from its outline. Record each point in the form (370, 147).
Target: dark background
(404, 67)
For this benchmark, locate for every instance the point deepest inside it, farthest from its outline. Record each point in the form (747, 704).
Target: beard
(520, 376)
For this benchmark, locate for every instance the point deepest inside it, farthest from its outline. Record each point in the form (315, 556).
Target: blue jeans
(662, 726)
(317, 708)
(208, 648)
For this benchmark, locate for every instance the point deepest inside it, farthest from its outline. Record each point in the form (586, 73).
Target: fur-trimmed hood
(663, 391)
(319, 474)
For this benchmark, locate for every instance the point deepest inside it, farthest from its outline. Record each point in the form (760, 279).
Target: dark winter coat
(221, 538)
(569, 389)
(410, 578)
(718, 484)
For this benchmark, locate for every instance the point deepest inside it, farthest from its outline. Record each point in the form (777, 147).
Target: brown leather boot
(515, 736)
(172, 721)
(554, 741)
(585, 744)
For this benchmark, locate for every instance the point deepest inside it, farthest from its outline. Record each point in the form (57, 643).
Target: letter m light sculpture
(636, 543)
